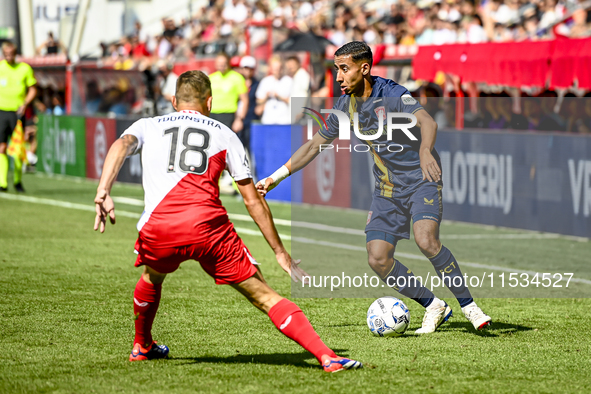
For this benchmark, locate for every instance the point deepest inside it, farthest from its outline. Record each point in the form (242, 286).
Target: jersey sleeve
(137, 130)
(332, 130)
(405, 103)
(241, 84)
(236, 160)
(30, 77)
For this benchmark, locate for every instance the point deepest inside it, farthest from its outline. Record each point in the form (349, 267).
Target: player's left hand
(104, 206)
(429, 167)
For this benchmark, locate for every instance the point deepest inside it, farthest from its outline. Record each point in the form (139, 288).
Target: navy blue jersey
(397, 168)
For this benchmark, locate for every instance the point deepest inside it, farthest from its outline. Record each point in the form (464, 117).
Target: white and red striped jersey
(183, 155)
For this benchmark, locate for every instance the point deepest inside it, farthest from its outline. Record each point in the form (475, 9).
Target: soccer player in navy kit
(408, 184)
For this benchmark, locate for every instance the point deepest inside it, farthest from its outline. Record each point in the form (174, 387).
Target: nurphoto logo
(346, 123)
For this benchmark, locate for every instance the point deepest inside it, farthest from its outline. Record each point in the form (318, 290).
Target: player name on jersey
(183, 156)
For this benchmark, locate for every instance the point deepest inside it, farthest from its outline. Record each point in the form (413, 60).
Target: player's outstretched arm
(429, 166)
(261, 214)
(301, 158)
(104, 205)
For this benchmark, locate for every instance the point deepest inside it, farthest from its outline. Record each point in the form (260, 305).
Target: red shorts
(224, 256)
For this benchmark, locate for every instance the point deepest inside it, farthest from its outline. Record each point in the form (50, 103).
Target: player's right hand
(104, 207)
(264, 186)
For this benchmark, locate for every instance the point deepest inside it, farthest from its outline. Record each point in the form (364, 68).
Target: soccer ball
(388, 317)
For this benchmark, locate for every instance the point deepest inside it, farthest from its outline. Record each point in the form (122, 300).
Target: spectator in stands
(273, 95)
(112, 103)
(137, 49)
(447, 117)
(472, 30)
(580, 26)
(494, 115)
(93, 98)
(586, 114)
(248, 69)
(58, 104)
(236, 12)
(301, 78)
(140, 32)
(536, 120)
(228, 87)
(549, 99)
(572, 112)
(51, 46)
(165, 87)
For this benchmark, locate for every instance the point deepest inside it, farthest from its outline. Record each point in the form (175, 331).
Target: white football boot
(478, 318)
(436, 314)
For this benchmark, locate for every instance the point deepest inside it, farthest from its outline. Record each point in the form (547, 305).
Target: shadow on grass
(295, 359)
(495, 330)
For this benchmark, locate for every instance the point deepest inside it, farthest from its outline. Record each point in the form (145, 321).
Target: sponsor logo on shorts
(369, 217)
(428, 202)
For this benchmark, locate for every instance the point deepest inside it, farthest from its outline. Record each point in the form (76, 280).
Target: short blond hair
(193, 86)
(8, 45)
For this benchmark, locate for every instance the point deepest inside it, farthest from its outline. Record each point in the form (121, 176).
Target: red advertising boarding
(100, 135)
(327, 179)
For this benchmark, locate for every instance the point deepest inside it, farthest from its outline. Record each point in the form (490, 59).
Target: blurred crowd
(222, 25)
(499, 111)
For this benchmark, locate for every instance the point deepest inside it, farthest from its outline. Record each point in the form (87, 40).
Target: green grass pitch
(66, 313)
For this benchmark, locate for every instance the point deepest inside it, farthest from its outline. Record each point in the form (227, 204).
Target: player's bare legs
(427, 238)
(292, 322)
(380, 256)
(152, 276)
(146, 300)
(381, 259)
(258, 292)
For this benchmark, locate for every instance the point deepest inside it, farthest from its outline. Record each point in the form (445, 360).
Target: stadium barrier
(77, 146)
(62, 145)
(534, 181)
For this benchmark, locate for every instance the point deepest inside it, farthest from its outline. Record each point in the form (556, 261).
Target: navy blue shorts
(393, 215)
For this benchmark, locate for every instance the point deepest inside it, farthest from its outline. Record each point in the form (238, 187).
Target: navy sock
(445, 263)
(403, 281)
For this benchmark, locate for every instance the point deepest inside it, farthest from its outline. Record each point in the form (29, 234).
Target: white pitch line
(128, 201)
(280, 222)
(242, 230)
(64, 204)
(88, 208)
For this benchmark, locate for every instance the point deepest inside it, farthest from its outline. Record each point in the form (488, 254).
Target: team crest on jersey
(369, 217)
(381, 113)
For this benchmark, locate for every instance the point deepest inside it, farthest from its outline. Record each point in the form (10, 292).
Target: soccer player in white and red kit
(183, 155)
